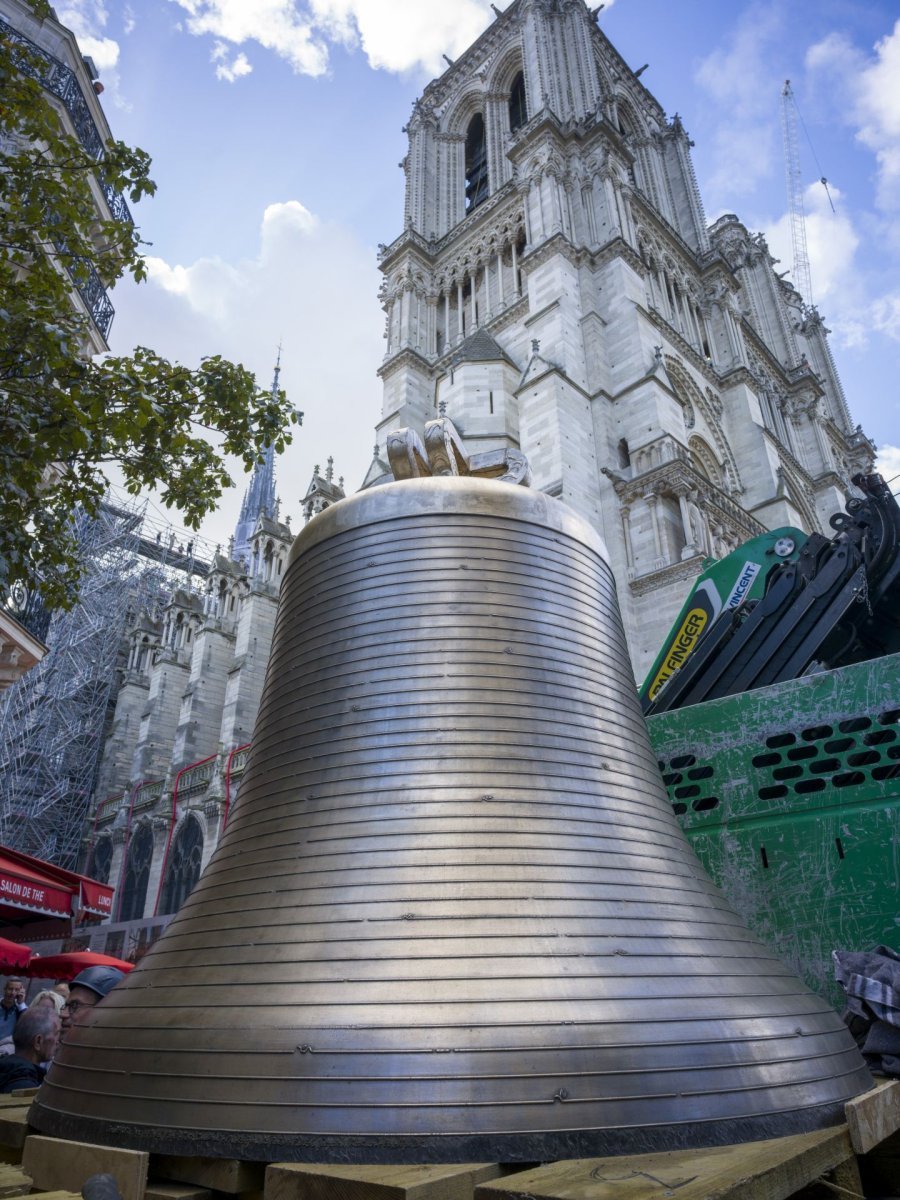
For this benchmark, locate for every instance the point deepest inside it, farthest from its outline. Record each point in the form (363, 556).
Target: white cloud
(887, 464)
(238, 67)
(395, 35)
(871, 86)
(289, 216)
(275, 24)
(87, 19)
(886, 315)
(311, 285)
(741, 79)
(403, 35)
(853, 312)
(831, 241)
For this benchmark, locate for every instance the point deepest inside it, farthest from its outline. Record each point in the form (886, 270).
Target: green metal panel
(790, 796)
(726, 583)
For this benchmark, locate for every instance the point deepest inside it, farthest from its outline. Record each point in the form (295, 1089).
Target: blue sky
(275, 130)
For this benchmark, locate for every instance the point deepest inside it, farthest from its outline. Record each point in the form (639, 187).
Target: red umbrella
(68, 965)
(13, 956)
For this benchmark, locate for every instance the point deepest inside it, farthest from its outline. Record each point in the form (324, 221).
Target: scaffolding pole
(53, 720)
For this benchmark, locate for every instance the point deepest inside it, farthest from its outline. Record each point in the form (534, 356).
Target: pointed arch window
(137, 875)
(518, 109)
(476, 163)
(101, 861)
(184, 866)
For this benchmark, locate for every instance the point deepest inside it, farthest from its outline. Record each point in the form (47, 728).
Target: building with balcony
(52, 56)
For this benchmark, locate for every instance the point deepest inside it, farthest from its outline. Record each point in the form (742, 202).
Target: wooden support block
(13, 1182)
(21, 1093)
(15, 1099)
(221, 1174)
(880, 1168)
(316, 1181)
(14, 1125)
(770, 1170)
(874, 1116)
(175, 1191)
(60, 1195)
(54, 1163)
(846, 1177)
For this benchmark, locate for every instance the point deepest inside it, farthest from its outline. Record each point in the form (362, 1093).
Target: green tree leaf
(65, 418)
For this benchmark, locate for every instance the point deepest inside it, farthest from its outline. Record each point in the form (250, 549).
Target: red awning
(96, 897)
(13, 956)
(30, 887)
(31, 891)
(71, 963)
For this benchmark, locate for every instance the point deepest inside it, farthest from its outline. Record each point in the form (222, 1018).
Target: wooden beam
(54, 1163)
(770, 1170)
(176, 1191)
(13, 1182)
(874, 1116)
(317, 1181)
(14, 1125)
(220, 1174)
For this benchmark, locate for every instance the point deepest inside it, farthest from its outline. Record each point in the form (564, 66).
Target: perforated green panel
(791, 797)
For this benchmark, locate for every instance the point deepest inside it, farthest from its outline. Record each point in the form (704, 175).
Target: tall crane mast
(802, 279)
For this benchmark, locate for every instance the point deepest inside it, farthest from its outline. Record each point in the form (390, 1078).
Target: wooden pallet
(860, 1158)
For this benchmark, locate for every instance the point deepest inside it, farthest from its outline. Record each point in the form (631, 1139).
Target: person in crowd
(12, 1004)
(35, 1039)
(61, 988)
(89, 987)
(48, 996)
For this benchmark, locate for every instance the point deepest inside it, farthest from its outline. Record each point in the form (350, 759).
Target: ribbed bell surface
(452, 916)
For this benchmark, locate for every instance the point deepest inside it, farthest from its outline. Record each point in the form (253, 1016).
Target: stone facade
(555, 290)
(658, 374)
(191, 679)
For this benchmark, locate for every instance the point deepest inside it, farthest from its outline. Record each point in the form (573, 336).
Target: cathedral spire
(259, 498)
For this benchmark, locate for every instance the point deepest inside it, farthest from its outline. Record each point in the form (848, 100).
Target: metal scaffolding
(53, 721)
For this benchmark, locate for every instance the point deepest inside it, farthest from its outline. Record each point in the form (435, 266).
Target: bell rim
(524, 1146)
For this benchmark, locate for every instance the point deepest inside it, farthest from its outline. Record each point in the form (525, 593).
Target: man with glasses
(12, 1005)
(88, 989)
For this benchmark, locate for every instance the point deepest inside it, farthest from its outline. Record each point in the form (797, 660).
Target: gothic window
(476, 163)
(465, 319)
(624, 455)
(704, 461)
(671, 527)
(518, 112)
(184, 866)
(101, 861)
(137, 875)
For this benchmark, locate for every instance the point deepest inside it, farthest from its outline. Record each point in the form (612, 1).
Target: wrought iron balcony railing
(93, 293)
(60, 81)
(27, 607)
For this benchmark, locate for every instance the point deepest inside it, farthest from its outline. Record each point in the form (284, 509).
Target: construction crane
(790, 116)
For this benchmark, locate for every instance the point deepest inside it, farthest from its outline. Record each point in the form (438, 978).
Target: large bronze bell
(452, 916)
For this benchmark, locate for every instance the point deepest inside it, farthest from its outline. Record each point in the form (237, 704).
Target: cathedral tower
(556, 289)
(260, 498)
